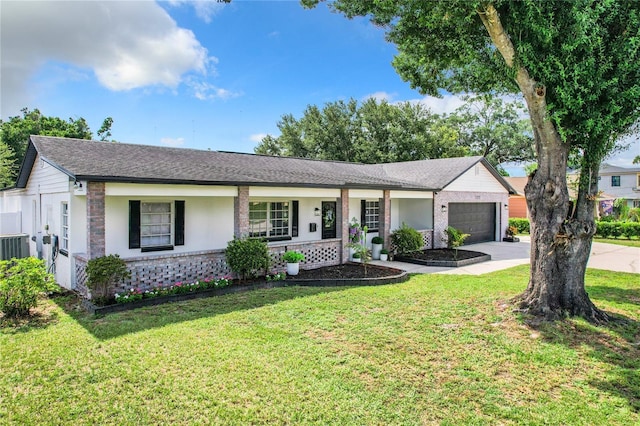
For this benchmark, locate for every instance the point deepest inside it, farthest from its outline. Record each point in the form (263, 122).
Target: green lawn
(633, 242)
(438, 349)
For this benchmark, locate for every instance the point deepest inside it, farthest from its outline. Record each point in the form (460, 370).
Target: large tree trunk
(560, 235)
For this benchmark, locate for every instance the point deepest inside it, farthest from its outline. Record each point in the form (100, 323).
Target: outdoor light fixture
(316, 211)
(506, 206)
(77, 185)
(443, 208)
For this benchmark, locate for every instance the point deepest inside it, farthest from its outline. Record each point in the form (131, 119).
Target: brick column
(385, 217)
(241, 212)
(343, 227)
(95, 219)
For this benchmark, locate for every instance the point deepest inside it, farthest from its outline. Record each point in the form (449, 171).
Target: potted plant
(384, 254)
(376, 246)
(511, 234)
(356, 257)
(293, 259)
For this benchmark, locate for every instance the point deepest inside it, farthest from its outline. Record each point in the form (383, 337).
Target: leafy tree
(15, 132)
(636, 160)
(372, 132)
(495, 129)
(575, 63)
(105, 130)
(7, 166)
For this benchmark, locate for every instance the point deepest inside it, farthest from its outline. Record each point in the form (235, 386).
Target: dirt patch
(346, 271)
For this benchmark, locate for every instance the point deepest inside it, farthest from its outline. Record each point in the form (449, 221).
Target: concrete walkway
(505, 255)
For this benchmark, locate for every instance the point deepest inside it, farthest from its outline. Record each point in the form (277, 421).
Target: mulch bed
(443, 254)
(346, 271)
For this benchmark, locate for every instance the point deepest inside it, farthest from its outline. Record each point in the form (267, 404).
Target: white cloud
(206, 91)
(257, 137)
(126, 44)
(173, 142)
(381, 96)
(445, 105)
(205, 9)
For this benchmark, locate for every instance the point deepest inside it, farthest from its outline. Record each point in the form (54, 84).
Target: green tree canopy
(575, 63)
(15, 132)
(373, 132)
(489, 126)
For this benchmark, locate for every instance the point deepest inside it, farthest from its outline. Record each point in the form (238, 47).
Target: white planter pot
(375, 251)
(351, 251)
(293, 268)
(384, 256)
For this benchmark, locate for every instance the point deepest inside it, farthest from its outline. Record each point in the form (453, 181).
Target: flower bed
(217, 287)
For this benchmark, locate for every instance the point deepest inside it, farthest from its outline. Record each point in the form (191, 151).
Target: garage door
(476, 219)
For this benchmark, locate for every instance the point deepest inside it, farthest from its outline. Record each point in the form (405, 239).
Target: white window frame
(64, 227)
(372, 214)
(272, 220)
(150, 234)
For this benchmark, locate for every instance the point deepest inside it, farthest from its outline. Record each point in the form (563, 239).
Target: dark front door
(476, 219)
(328, 219)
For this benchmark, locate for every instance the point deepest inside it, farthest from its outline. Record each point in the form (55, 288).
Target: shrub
(406, 239)
(248, 257)
(102, 275)
(384, 251)
(22, 281)
(377, 240)
(616, 229)
(455, 238)
(603, 228)
(521, 224)
(631, 229)
(293, 257)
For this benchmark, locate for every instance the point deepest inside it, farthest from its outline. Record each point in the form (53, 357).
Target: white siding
(45, 179)
(411, 194)
(476, 179)
(160, 190)
(293, 193)
(365, 194)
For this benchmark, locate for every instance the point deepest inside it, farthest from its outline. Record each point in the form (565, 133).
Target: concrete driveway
(505, 255)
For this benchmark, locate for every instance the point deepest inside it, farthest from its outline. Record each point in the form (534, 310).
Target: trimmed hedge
(606, 229)
(521, 224)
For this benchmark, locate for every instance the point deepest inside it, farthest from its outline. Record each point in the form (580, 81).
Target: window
(638, 180)
(371, 215)
(615, 180)
(156, 226)
(64, 231)
(273, 220)
(636, 204)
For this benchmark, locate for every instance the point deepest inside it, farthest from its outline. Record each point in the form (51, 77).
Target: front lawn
(633, 242)
(438, 349)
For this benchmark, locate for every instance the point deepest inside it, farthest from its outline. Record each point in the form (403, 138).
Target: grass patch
(437, 349)
(633, 242)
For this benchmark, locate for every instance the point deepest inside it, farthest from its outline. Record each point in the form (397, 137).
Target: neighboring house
(620, 182)
(169, 212)
(517, 202)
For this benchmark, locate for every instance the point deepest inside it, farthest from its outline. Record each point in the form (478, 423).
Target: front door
(328, 219)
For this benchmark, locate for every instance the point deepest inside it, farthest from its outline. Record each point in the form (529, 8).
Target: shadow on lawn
(133, 321)
(613, 294)
(616, 343)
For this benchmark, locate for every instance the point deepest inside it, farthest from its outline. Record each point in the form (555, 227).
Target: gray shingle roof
(119, 162)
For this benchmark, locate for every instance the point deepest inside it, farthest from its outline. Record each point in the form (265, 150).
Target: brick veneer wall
(95, 219)
(241, 212)
(441, 219)
(153, 271)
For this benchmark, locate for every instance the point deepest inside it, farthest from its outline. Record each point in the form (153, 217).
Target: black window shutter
(363, 212)
(134, 224)
(294, 218)
(179, 224)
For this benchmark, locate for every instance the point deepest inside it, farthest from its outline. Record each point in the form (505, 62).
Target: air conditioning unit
(14, 246)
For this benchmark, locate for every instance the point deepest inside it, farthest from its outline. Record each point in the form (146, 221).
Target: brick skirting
(164, 270)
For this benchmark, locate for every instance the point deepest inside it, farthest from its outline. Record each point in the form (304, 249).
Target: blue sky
(193, 74)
